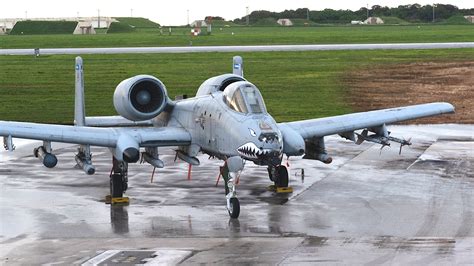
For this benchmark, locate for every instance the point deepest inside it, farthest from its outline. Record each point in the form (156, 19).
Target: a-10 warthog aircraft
(227, 119)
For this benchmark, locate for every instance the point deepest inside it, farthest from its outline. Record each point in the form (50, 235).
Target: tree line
(414, 13)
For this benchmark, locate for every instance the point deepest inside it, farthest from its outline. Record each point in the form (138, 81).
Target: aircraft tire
(234, 210)
(282, 176)
(116, 186)
(270, 175)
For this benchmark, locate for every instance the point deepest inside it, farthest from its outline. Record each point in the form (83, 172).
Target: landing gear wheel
(118, 178)
(234, 208)
(281, 176)
(271, 173)
(116, 186)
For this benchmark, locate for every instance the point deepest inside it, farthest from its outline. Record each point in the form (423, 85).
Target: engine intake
(139, 98)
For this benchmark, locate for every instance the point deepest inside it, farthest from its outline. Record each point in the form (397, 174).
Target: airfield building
(84, 27)
(8, 23)
(198, 23)
(373, 20)
(470, 18)
(96, 22)
(285, 22)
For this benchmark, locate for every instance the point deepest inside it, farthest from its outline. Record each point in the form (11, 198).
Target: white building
(373, 20)
(8, 23)
(285, 22)
(100, 23)
(198, 23)
(470, 18)
(97, 22)
(84, 27)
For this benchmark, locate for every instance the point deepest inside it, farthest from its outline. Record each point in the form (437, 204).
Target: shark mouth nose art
(250, 150)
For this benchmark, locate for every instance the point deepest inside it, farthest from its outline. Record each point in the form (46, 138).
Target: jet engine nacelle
(127, 149)
(140, 98)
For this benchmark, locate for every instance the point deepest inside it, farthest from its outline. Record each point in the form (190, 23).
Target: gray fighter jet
(227, 119)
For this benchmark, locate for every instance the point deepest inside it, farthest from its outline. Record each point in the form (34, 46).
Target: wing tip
(447, 107)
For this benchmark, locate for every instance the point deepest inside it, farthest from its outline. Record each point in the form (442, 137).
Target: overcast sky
(174, 12)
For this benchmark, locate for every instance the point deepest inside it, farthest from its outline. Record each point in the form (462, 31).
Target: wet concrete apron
(365, 207)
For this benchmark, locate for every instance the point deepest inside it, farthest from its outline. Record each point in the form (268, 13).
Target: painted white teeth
(249, 150)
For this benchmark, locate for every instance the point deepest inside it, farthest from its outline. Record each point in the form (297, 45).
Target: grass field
(43, 27)
(295, 85)
(138, 22)
(119, 27)
(251, 36)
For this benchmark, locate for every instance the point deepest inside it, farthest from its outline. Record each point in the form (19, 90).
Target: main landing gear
(279, 175)
(233, 204)
(118, 181)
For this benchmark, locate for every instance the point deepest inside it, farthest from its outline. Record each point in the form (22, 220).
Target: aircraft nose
(269, 143)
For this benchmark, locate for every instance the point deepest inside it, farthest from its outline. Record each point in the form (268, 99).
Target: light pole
(247, 17)
(188, 16)
(367, 11)
(98, 18)
(131, 12)
(434, 12)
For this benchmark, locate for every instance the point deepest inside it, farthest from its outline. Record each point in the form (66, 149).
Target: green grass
(456, 20)
(394, 21)
(303, 22)
(252, 36)
(43, 27)
(295, 85)
(119, 27)
(138, 22)
(265, 22)
(224, 23)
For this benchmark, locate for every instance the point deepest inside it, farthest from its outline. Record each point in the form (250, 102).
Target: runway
(367, 207)
(229, 49)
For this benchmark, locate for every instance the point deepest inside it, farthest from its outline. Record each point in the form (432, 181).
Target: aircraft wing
(104, 137)
(321, 127)
(114, 121)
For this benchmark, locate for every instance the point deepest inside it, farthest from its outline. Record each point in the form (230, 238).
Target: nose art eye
(252, 132)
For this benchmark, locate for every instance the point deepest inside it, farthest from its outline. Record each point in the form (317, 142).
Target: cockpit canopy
(244, 97)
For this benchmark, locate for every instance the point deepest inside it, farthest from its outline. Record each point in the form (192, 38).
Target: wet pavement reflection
(119, 219)
(381, 207)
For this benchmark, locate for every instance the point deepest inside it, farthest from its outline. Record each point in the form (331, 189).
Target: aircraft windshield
(243, 97)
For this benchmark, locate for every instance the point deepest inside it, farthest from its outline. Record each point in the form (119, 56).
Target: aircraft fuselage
(222, 132)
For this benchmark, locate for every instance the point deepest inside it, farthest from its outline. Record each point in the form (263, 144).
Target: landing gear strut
(233, 204)
(279, 175)
(118, 178)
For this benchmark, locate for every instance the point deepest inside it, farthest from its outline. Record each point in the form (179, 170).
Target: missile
(384, 141)
(153, 161)
(402, 142)
(85, 165)
(323, 157)
(48, 159)
(187, 158)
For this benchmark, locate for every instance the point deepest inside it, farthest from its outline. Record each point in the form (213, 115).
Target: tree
(413, 12)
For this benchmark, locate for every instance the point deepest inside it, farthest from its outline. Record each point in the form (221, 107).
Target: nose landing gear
(279, 175)
(233, 204)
